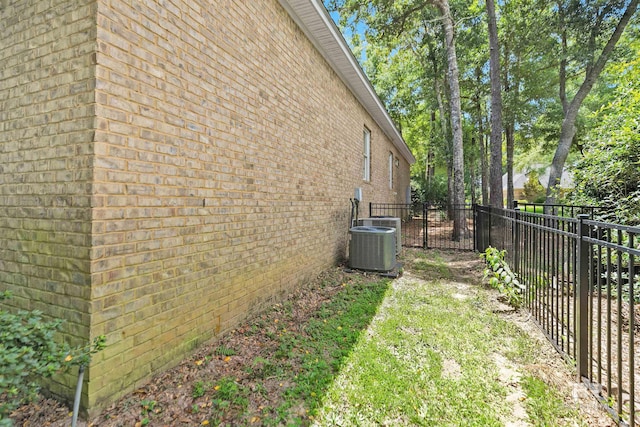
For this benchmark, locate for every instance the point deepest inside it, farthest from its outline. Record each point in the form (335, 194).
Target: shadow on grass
(309, 355)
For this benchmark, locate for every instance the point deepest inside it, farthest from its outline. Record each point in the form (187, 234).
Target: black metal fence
(430, 227)
(571, 211)
(582, 285)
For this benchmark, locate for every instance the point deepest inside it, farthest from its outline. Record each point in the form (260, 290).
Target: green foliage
(225, 351)
(534, 192)
(501, 277)
(30, 352)
(434, 192)
(199, 389)
(149, 407)
(229, 396)
(609, 172)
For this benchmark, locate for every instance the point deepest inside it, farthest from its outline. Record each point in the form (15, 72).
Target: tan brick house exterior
(169, 167)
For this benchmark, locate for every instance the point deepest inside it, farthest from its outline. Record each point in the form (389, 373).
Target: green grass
(421, 352)
(544, 404)
(307, 362)
(533, 209)
(330, 338)
(397, 375)
(431, 265)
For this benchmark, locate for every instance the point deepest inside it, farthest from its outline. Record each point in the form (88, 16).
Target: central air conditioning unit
(372, 248)
(394, 223)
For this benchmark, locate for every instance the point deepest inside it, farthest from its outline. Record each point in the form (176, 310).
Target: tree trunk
(495, 194)
(509, 133)
(472, 174)
(485, 167)
(509, 119)
(568, 129)
(460, 229)
(484, 170)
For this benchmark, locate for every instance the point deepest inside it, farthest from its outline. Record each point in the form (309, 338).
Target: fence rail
(582, 285)
(427, 226)
(571, 211)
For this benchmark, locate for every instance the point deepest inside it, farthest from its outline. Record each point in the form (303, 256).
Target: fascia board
(314, 20)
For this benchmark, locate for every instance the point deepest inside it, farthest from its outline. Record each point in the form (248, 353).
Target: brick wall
(46, 128)
(225, 154)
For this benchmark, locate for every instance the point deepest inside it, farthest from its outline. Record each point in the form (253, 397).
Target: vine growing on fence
(501, 277)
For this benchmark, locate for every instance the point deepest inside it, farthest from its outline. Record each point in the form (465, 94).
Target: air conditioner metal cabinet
(395, 223)
(372, 248)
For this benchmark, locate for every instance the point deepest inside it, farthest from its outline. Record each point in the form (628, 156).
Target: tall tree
(495, 192)
(484, 170)
(608, 172)
(595, 19)
(460, 229)
(393, 19)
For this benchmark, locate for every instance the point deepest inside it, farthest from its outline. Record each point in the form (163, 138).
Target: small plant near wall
(501, 277)
(30, 352)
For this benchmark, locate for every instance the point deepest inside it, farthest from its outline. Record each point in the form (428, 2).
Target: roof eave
(314, 20)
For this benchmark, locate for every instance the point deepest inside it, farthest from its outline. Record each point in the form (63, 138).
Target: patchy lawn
(433, 347)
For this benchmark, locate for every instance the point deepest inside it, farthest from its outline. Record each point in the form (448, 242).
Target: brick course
(178, 170)
(47, 118)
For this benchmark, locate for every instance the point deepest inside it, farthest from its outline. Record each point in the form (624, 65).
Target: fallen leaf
(199, 362)
(205, 423)
(68, 358)
(226, 359)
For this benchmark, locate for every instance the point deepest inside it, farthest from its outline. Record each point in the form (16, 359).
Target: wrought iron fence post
(425, 226)
(474, 208)
(370, 210)
(516, 237)
(479, 237)
(582, 307)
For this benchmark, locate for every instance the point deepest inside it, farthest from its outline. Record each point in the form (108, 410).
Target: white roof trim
(314, 20)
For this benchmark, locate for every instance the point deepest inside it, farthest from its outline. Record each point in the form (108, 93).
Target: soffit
(314, 20)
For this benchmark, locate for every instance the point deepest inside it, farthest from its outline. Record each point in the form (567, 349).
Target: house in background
(520, 178)
(169, 168)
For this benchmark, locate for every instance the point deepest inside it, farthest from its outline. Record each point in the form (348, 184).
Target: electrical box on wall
(358, 194)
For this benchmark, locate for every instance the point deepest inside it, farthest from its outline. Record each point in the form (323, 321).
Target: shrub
(29, 352)
(533, 191)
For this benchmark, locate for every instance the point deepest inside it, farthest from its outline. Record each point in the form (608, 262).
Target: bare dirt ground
(440, 231)
(173, 391)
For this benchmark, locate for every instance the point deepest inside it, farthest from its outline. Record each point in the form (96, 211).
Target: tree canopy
(564, 68)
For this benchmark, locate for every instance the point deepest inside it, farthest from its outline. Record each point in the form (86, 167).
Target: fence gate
(430, 227)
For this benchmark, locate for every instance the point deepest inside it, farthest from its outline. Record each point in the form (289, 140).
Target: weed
(199, 389)
(148, 408)
(229, 396)
(264, 368)
(225, 351)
